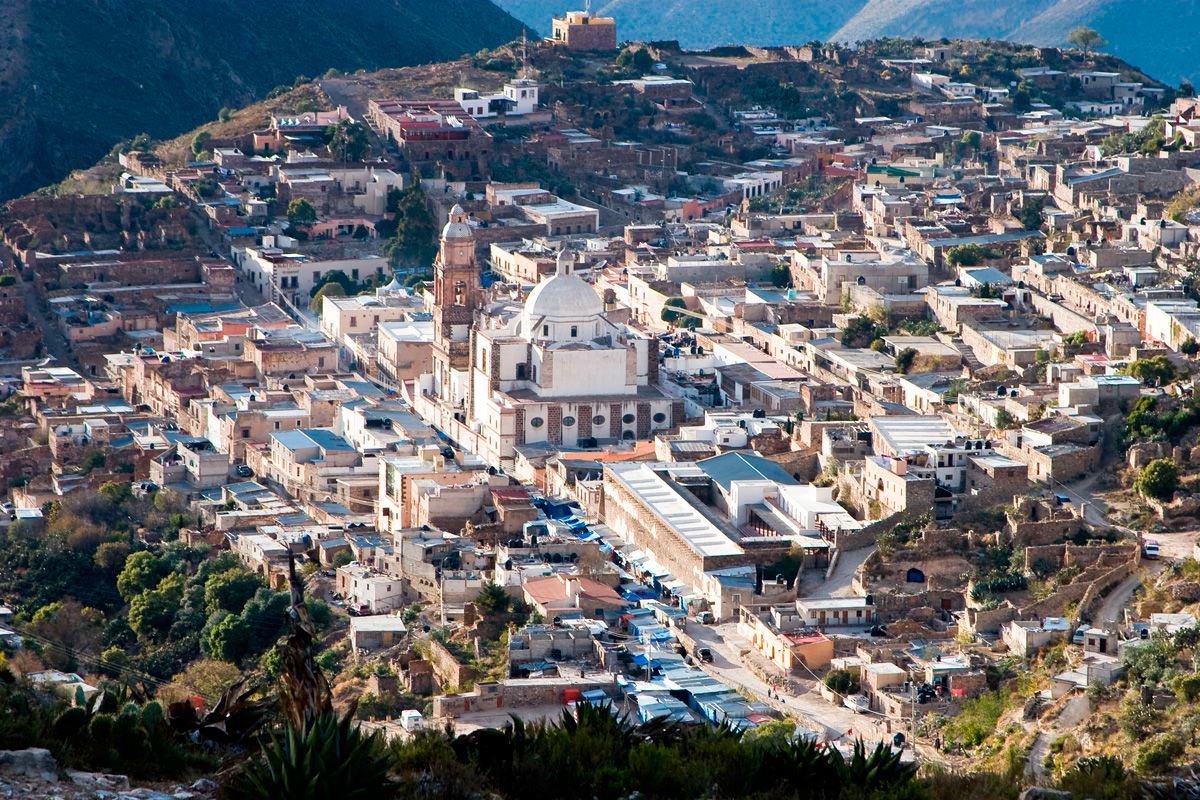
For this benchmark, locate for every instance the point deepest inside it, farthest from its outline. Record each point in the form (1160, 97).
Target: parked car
(1077, 637)
(242, 471)
(704, 654)
(1150, 551)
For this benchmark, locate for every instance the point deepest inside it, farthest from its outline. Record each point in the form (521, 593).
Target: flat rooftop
(653, 491)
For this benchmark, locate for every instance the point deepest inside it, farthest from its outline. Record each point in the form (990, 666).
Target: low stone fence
(515, 693)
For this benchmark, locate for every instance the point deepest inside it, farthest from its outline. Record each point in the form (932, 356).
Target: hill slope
(1156, 37)
(77, 76)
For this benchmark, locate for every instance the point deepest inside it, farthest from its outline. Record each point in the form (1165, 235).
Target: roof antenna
(587, 7)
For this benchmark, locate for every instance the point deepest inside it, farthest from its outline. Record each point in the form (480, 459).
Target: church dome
(457, 227)
(564, 297)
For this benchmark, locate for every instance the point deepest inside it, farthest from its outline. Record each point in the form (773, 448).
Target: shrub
(1157, 754)
(841, 681)
(1158, 479)
(1098, 777)
(977, 720)
(1187, 687)
(1136, 718)
(70, 722)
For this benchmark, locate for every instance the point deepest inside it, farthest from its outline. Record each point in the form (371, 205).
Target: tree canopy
(414, 244)
(1158, 479)
(301, 212)
(348, 141)
(1086, 39)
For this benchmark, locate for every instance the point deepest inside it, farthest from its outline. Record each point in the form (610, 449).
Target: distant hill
(704, 24)
(77, 76)
(1157, 37)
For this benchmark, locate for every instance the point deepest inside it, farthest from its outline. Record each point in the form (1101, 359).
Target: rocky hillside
(77, 76)
(1155, 37)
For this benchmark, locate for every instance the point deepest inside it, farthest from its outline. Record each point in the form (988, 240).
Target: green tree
(348, 141)
(301, 212)
(152, 612)
(781, 276)
(200, 142)
(672, 316)
(230, 590)
(1155, 371)
(110, 557)
(415, 242)
(228, 639)
(1190, 347)
(1030, 214)
(117, 493)
(493, 599)
(225, 114)
(142, 571)
(331, 289)
(861, 332)
(1086, 39)
(1158, 479)
(841, 681)
(635, 60)
(905, 359)
(966, 255)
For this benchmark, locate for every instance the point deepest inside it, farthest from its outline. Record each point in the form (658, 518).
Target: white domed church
(556, 371)
(560, 372)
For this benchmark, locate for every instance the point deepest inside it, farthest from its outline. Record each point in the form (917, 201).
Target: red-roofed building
(572, 595)
(434, 133)
(796, 649)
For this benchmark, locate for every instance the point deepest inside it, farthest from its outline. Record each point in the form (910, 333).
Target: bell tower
(456, 294)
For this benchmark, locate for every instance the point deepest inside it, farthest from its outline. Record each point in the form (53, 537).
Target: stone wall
(514, 693)
(449, 670)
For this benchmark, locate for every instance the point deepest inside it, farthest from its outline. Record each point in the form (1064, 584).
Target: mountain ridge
(78, 76)
(1156, 40)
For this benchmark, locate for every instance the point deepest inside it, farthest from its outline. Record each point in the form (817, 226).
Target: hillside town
(849, 387)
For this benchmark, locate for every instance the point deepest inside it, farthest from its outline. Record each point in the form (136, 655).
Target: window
(574, 331)
(628, 418)
(276, 425)
(598, 419)
(520, 372)
(568, 422)
(246, 434)
(660, 417)
(537, 422)
(545, 330)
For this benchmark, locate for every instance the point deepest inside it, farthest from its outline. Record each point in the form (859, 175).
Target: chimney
(899, 466)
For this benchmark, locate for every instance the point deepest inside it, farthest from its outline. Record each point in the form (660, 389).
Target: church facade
(553, 371)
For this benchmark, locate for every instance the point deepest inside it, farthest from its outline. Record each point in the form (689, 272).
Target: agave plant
(236, 717)
(329, 759)
(881, 769)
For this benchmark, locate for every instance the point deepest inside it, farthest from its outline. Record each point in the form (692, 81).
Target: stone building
(580, 30)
